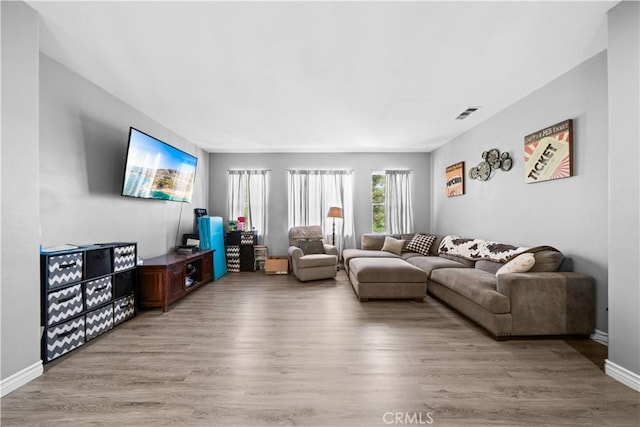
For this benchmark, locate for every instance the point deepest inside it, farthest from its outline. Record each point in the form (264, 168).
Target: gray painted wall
(20, 320)
(361, 163)
(569, 214)
(624, 186)
(83, 144)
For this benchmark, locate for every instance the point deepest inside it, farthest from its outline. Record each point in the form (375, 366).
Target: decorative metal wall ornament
(492, 160)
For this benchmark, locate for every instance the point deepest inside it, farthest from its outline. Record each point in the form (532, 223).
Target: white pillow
(393, 245)
(520, 264)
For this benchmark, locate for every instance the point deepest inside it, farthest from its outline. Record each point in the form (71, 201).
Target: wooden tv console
(167, 278)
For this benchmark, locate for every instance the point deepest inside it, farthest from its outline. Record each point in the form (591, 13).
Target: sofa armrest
(550, 303)
(294, 254)
(331, 250)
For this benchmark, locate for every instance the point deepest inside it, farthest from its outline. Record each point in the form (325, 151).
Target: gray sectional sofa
(462, 274)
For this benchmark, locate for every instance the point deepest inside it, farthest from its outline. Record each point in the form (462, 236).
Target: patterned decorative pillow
(520, 264)
(392, 245)
(310, 247)
(421, 243)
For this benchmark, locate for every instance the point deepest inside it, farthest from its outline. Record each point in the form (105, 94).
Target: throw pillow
(421, 243)
(520, 264)
(392, 245)
(310, 247)
(548, 260)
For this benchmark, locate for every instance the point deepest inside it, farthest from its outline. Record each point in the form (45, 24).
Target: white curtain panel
(313, 192)
(398, 209)
(236, 194)
(248, 194)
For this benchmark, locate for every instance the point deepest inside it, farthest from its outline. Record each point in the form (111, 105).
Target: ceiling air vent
(466, 113)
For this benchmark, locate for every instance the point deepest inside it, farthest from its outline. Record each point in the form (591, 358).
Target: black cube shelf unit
(86, 291)
(239, 248)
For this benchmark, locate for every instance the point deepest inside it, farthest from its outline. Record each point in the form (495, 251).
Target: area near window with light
(378, 223)
(247, 197)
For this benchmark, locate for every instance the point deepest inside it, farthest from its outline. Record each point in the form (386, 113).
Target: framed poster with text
(548, 153)
(455, 180)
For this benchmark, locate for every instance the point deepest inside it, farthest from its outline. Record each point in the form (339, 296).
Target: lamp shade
(335, 212)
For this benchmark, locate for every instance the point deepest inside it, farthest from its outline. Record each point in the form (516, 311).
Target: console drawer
(97, 292)
(124, 257)
(64, 269)
(98, 321)
(64, 304)
(123, 309)
(65, 337)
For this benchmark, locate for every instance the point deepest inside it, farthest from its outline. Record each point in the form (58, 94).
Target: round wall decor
(492, 160)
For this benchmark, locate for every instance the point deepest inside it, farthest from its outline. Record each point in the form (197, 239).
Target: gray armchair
(312, 266)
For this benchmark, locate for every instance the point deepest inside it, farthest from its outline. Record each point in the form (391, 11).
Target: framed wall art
(455, 180)
(548, 153)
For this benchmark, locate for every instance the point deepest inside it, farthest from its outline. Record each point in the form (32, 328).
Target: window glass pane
(378, 219)
(377, 188)
(377, 202)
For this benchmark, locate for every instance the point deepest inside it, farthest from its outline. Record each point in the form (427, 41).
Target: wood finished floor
(251, 350)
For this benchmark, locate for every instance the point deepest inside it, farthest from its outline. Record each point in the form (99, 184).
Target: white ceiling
(320, 76)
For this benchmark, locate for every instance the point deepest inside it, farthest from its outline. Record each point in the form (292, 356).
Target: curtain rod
(391, 170)
(248, 170)
(320, 170)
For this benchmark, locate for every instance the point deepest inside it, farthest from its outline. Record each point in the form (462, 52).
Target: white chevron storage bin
(97, 292)
(63, 338)
(86, 292)
(64, 269)
(99, 321)
(123, 309)
(64, 304)
(124, 257)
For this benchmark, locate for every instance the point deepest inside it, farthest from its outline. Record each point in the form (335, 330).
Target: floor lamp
(334, 212)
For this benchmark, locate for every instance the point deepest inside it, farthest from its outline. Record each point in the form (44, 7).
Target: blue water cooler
(211, 231)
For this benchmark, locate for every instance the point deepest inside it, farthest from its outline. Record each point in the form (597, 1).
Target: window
(378, 222)
(312, 192)
(247, 197)
(391, 202)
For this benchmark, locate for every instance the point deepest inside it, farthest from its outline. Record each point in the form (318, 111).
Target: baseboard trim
(601, 337)
(21, 378)
(623, 375)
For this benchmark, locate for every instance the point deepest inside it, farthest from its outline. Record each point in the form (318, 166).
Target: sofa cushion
(372, 242)
(407, 255)
(435, 245)
(317, 260)
(386, 270)
(309, 232)
(476, 285)
(458, 259)
(351, 253)
(310, 247)
(421, 243)
(488, 266)
(430, 263)
(393, 245)
(520, 264)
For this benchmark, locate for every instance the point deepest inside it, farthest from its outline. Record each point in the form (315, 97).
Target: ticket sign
(548, 153)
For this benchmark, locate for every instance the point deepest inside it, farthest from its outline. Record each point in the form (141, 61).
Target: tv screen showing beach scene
(156, 170)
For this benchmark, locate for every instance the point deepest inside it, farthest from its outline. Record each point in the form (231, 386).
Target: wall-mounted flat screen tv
(156, 170)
